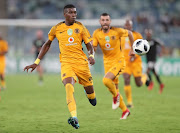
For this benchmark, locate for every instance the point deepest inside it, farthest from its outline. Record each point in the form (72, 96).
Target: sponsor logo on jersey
(69, 32)
(107, 45)
(107, 38)
(71, 39)
(77, 30)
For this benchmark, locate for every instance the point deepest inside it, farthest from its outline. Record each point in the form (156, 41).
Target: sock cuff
(127, 86)
(91, 96)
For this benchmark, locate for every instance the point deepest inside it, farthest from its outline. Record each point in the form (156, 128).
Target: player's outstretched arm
(90, 49)
(43, 51)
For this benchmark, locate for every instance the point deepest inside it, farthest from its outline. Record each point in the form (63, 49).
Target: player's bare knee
(139, 84)
(127, 82)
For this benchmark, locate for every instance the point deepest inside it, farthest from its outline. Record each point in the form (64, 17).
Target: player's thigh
(107, 69)
(137, 69)
(67, 71)
(84, 75)
(117, 68)
(151, 65)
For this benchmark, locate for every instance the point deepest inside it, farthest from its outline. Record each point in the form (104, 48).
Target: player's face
(128, 25)
(70, 14)
(105, 22)
(148, 34)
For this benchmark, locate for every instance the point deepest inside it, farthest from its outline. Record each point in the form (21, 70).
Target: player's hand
(33, 66)
(131, 53)
(132, 58)
(91, 60)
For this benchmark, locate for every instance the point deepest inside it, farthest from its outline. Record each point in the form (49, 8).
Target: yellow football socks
(143, 78)
(127, 89)
(122, 105)
(110, 85)
(70, 99)
(91, 96)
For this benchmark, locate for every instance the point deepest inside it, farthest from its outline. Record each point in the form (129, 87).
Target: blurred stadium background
(19, 22)
(27, 107)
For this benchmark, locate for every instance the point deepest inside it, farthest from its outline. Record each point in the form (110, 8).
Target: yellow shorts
(116, 68)
(2, 66)
(134, 68)
(80, 71)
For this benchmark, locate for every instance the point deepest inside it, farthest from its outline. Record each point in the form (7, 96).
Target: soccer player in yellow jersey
(133, 64)
(74, 62)
(108, 39)
(3, 52)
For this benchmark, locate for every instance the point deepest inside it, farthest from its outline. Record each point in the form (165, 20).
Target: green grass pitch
(26, 107)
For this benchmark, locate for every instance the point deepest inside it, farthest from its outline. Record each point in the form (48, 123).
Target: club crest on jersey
(113, 37)
(107, 38)
(69, 32)
(127, 39)
(107, 45)
(76, 30)
(71, 39)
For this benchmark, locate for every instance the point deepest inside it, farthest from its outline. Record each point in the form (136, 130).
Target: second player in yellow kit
(108, 38)
(3, 52)
(74, 63)
(133, 65)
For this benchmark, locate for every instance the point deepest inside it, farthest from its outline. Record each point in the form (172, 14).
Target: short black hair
(69, 6)
(105, 14)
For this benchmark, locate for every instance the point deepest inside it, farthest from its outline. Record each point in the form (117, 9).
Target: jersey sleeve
(95, 40)
(51, 34)
(86, 35)
(5, 46)
(122, 32)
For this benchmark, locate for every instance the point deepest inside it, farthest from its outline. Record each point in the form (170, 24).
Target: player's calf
(92, 98)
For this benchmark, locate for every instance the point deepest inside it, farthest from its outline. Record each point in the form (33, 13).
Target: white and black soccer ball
(141, 46)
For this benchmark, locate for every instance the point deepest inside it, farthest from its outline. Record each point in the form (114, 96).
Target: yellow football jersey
(110, 43)
(70, 41)
(127, 46)
(3, 47)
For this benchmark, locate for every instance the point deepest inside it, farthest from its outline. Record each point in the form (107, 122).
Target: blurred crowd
(162, 16)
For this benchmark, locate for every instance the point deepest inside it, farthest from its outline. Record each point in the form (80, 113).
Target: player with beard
(108, 38)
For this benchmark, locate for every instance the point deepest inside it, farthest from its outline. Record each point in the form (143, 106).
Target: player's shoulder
(59, 24)
(97, 30)
(116, 28)
(79, 23)
(4, 42)
(135, 32)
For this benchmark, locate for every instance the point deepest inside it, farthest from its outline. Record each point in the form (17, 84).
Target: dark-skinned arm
(3, 53)
(131, 38)
(43, 51)
(90, 49)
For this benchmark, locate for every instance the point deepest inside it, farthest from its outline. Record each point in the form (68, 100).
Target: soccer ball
(141, 46)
